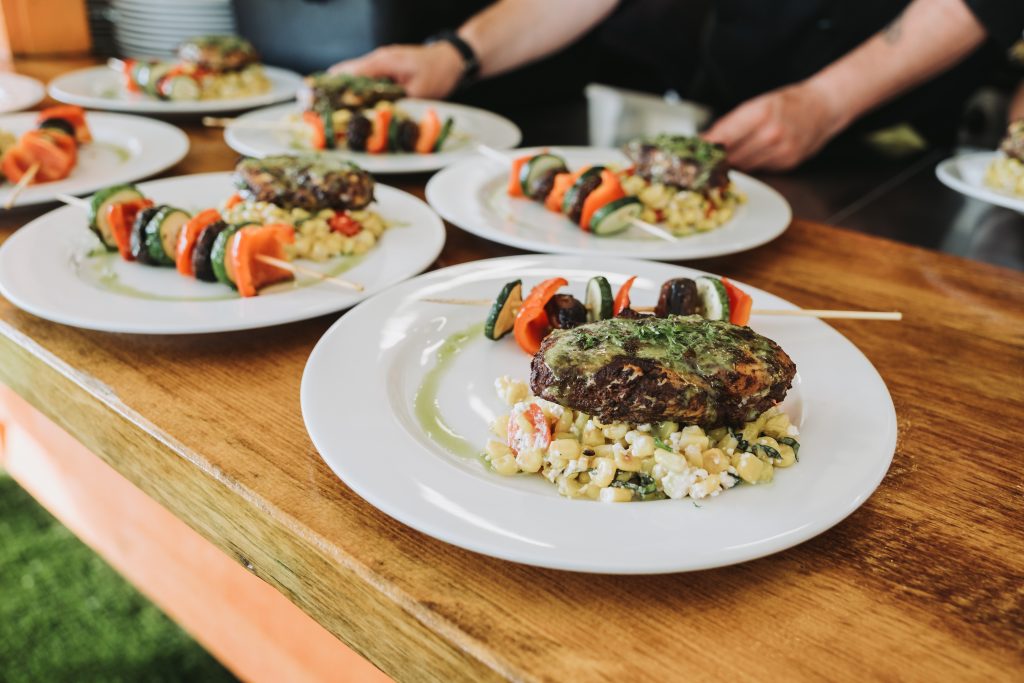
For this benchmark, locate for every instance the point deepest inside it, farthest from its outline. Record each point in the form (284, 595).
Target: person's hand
(777, 130)
(429, 71)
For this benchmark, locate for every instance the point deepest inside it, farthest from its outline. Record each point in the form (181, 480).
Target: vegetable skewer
(49, 151)
(611, 208)
(794, 313)
(533, 317)
(282, 264)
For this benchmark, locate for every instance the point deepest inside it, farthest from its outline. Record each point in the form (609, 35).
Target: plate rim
(37, 88)
(436, 529)
(56, 90)
(656, 251)
(430, 252)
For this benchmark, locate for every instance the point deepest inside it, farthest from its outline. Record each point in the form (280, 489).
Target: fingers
(384, 62)
(739, 124)
(757, 136)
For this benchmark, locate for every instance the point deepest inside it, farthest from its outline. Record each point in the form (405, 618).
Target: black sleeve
(1002, 19)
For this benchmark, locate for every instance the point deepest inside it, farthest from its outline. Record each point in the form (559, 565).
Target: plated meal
(369, 121)
(208, 68)
(75, 152)
(664, 197)
(619, 402)
(286, 207)
(278, 240)
(995, 177)
(681, 182)
(214, 73)
(678, 401)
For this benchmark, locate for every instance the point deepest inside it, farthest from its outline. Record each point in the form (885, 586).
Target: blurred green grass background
(65, 615)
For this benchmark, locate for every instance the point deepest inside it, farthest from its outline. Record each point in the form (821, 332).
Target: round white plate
(472, 126)
(49, 268)
(375, 442)
(100, 87)
(124, 148)
(965, 173)
(471, 194)
(19, 92)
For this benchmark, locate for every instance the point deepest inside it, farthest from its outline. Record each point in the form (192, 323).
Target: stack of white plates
(155, 28)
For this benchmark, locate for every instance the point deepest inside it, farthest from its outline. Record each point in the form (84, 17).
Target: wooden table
(924, 582)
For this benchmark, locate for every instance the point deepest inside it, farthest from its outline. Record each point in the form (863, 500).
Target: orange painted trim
(46, 27)
(241, 620)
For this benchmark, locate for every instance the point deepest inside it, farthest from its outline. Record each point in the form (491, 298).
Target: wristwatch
(470, 63)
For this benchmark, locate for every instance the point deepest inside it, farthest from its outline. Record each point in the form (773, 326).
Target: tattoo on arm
(891, 33)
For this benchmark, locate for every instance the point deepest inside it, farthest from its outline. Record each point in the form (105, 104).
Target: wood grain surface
(924, 582)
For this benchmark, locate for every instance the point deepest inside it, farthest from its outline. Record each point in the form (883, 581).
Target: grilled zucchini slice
(446, 130)
(221, 245)
(714, 300)
(599, 300)
(161, 234)
(140, 252)
(101, 202)
(534, 172)
(615, 216)
(502, 317)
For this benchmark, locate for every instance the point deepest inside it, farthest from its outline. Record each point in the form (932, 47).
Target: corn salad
(682, 211)
(1006, 174)
(314, 238)
(620, 462)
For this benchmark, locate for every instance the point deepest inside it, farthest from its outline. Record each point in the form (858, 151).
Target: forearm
(511, 33)
(928, 38)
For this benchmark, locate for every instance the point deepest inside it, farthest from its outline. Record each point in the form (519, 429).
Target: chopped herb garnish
(662, 445)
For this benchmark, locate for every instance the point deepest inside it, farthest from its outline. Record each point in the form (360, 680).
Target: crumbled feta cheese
(677, 484)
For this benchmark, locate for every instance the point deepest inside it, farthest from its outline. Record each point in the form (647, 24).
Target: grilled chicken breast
(308, 182)
(680, 368)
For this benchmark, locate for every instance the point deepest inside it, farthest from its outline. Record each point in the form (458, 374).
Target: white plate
(19, 92)
(965, 173)
(100, 87)
(471, 126)
(373, 440)
(46, 269)
(471, 194)
(124, 149)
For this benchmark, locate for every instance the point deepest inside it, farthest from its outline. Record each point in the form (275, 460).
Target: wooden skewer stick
(819, 313)
(653, 229)
(280, 263)
(73, 201)
(23, 182)
(295, 268)
(224, 122)
(793, 313)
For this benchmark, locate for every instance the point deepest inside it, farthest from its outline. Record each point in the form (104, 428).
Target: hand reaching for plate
(777, 130)
(427, 71)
